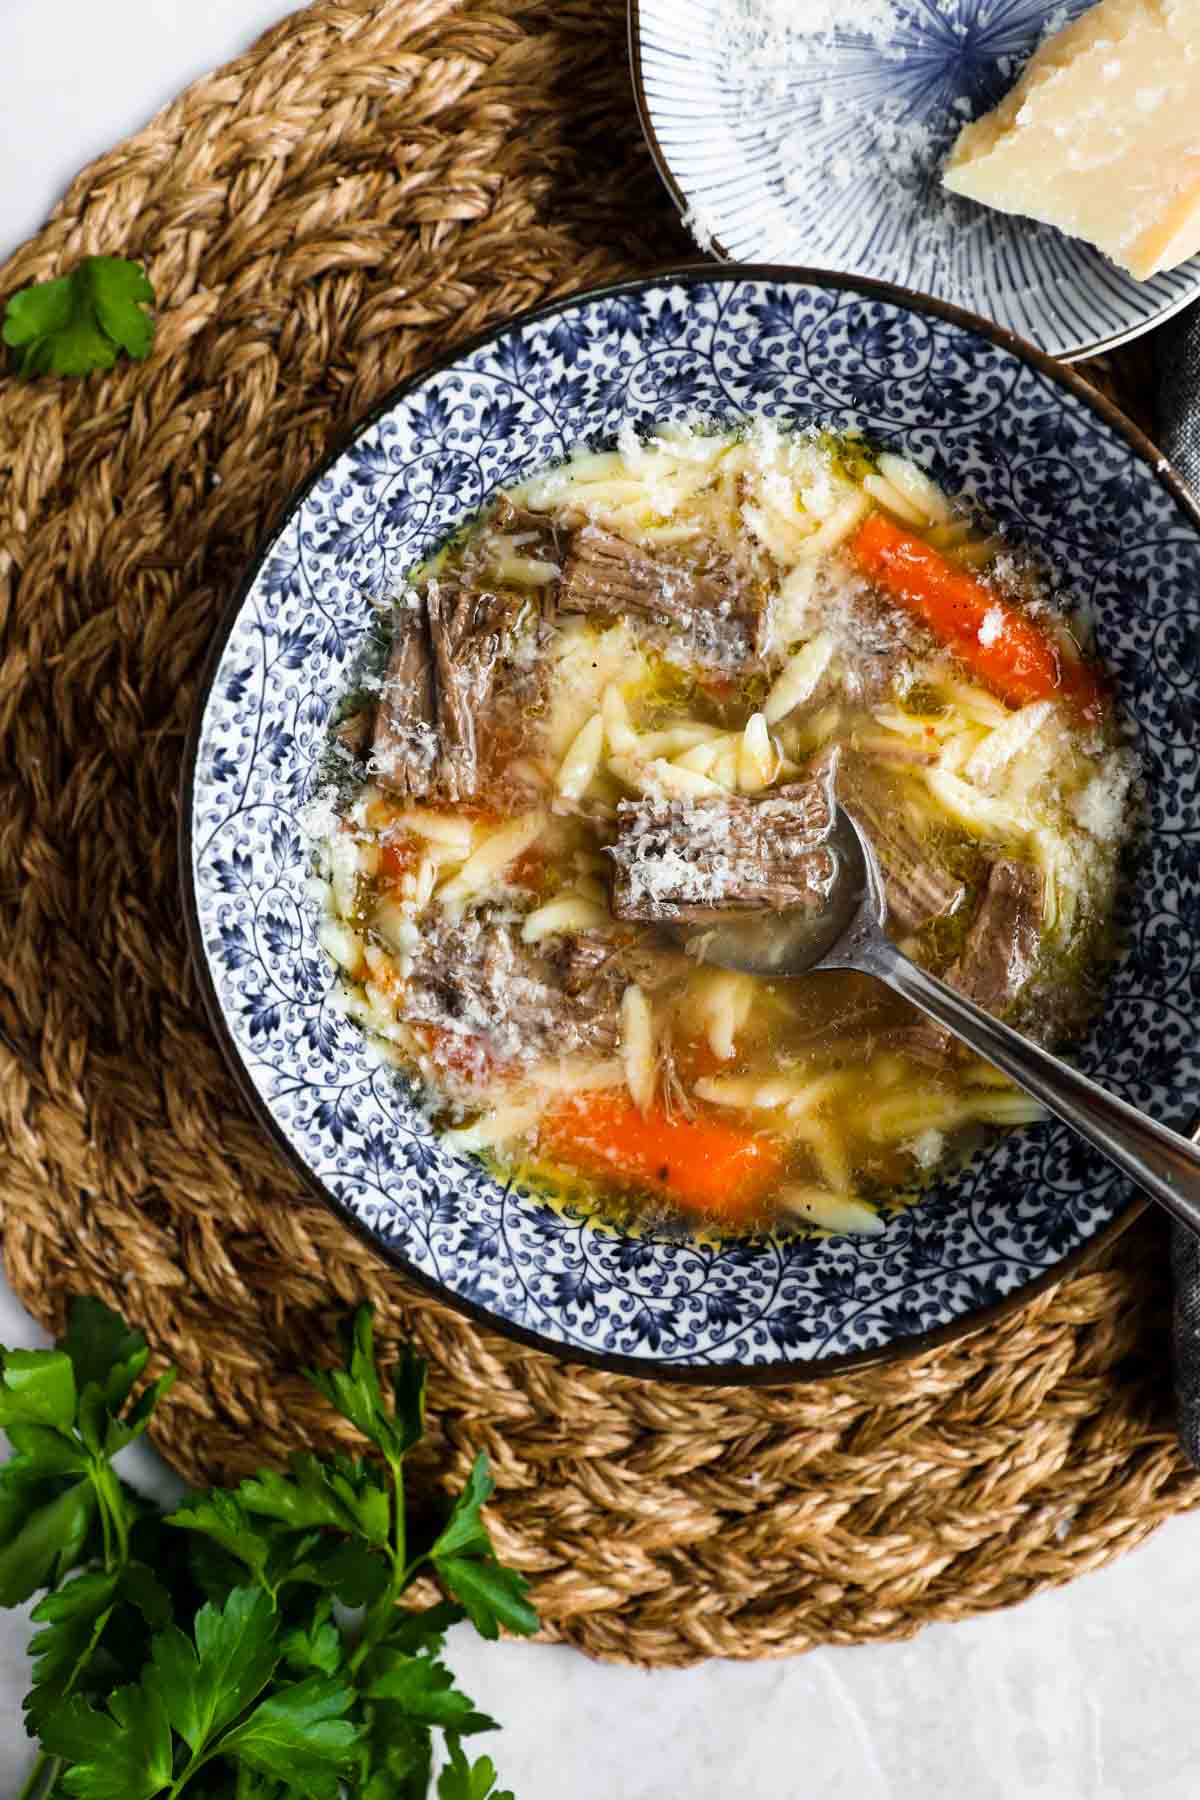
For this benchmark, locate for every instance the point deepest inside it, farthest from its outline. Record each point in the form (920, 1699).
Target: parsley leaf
(409, 1632)
(104, 1351)
(344, 1495)
(49, 1452)
(142, 1588)
(113, 1654)
(205, 1685)
(252, 1787)
(408, 1391)
(400, 1757)
(424, 1690)
(213, 1570)
(72, 1619)
(49, 1542)
(355, 1391)
(121, 1754)
(465, 1533)
(356, 1577)
(219, 1516)
(461, 1780)
(300, 1735)
(123, 1431)
(37, 1387)
(492, 1594)
(80, 321)
(24, 1487)
(315, 1645)
(272, 1555)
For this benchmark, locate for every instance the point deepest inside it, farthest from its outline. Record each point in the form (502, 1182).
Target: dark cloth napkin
(1177, 349)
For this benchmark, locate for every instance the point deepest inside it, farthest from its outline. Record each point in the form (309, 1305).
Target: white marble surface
(1084, 1694)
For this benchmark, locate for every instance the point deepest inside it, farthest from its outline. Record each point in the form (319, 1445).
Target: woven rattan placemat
(374, 180)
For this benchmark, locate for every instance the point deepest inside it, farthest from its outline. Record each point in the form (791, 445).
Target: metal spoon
(848, 934)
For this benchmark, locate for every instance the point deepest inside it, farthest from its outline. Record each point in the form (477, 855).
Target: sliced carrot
(999, 642)
(704, 1165)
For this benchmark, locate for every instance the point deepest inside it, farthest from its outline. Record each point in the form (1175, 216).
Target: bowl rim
(658, 156)
(644, 1368)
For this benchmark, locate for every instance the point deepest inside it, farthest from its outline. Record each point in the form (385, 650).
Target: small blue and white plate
(1049, 459)
(828, 155)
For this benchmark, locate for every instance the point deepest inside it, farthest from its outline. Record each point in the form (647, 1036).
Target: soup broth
(619, 705)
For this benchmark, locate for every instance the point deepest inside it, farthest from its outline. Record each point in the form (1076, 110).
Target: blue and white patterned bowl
(1047, 457)
(835, 163)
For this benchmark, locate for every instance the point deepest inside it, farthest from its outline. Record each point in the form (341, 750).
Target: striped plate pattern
(826, 152)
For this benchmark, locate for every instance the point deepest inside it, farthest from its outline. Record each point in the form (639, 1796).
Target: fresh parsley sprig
(81, 321)
(251, 1643)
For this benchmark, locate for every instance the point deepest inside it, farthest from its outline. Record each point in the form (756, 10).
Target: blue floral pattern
(1037, 456)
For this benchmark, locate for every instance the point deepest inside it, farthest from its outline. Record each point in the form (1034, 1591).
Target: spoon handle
(1159, 1160)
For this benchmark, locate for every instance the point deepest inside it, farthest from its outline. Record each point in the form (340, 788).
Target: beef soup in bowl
(567, 655)
(621, 700)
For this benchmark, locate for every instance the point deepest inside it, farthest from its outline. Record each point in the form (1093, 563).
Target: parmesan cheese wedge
(1101, 135)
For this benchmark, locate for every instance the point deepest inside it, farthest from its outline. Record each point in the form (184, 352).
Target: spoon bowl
(799, 939)
(848, 932)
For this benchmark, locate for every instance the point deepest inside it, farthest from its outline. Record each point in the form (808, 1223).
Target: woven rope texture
(369, 184)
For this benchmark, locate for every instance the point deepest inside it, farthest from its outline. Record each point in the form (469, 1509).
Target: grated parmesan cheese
(318, 818)
(769, 53)
(927, 1148)
(992, 627)
(1102, 805)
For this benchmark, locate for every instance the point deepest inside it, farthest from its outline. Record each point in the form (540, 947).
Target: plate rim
(641, 100)
(644, 1368)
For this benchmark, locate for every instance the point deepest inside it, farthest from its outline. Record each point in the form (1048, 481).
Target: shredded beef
(684, 859)
(605, 577)
(440, 692)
